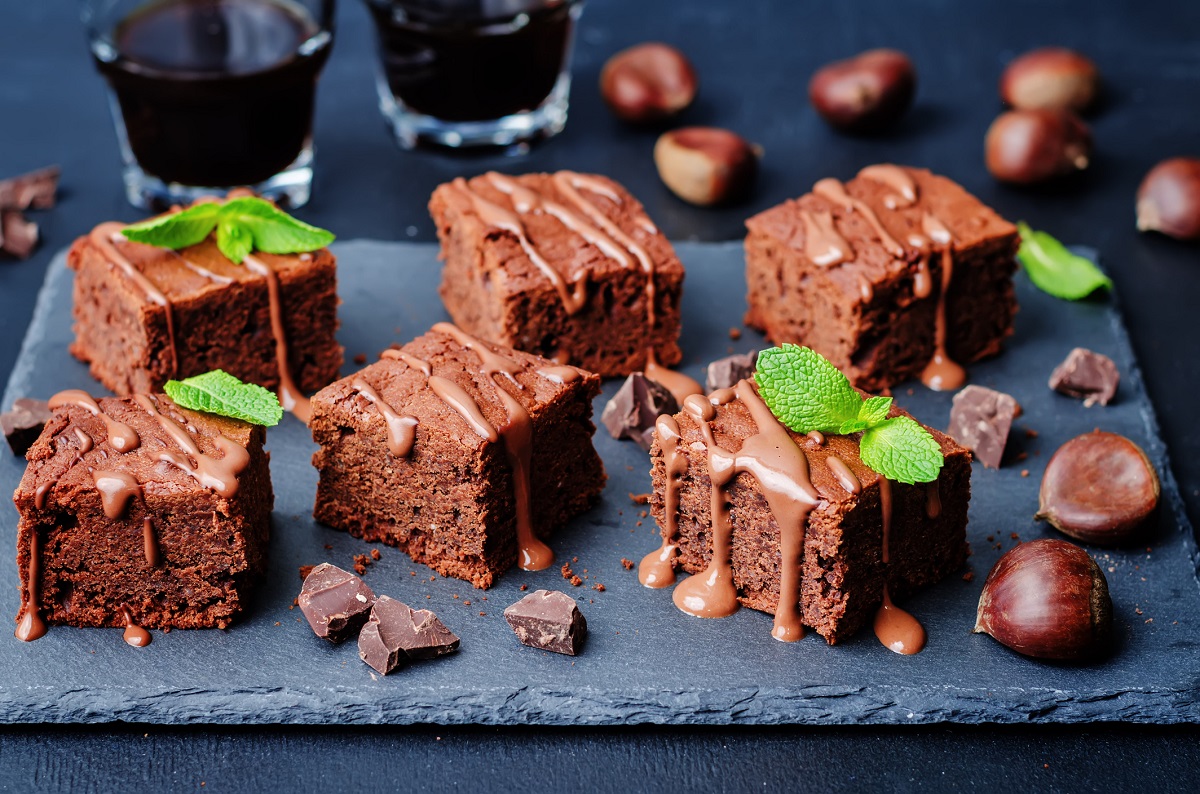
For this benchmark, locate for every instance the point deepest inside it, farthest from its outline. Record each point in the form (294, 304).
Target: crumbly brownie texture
(835, 497)
(137, 512)
(144, 315)
(559, 265)
(821, 273)
(462, 453)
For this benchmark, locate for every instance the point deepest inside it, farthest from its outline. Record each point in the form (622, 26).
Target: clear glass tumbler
(463, 73)
(209, 95)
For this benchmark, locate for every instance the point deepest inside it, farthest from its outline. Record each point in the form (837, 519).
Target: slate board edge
(878, 704)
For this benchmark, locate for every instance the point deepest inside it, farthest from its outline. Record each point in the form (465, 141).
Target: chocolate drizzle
(31, 626)
(942, 373)
(401, 429)
(823, 245)
(150, 543)
(134, 635)
(899, 631)
(412, 361)
(217, 474)
(464, 405)
(290, 396)
(834, 192)
(559, 374)
(680, 385)
(117, 489)
(904, 188)
(844, 475)
(105, 237)
(657, 568)
(933, 500)
(121, 436)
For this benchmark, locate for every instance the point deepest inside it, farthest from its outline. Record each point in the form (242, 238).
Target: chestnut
(1047, 599)
(1028, 146)
(706, 165)
(865, 93)
(648, 82)
(1050, 77)
(1168, 200)
(1099, 488)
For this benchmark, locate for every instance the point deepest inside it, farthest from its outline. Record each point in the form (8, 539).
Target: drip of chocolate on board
(105, 237)
(410, 360)
(680, 385)
(835, 193)
(823, 245)
(31, 625)
(899, 631)
(290, 396)
(217, 474)
(904, 189)
(121, 436)
(657, 569)
(942, 373)
(401, 429)
(134, 635)
(150, 543)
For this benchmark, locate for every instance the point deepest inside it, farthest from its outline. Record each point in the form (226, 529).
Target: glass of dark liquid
(209, 95)
(463, 73)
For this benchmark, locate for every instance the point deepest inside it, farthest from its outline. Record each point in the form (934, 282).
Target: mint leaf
(234, 241)
(805, 391)
(874, 410)
(273, 230)
(900, 449)
(1055, 270)
(220, 393)
(853, 426)
(177, 229)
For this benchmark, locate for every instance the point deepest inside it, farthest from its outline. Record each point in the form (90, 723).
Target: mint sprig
(1055, 270)
(243, 224)
(807, 393)
(220, 393)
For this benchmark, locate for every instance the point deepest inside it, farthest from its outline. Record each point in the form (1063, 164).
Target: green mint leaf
(901, 450)
(177, 229)
(874, 410)
(853, 426)
(805, 391)
(272, 229)
(1055, 270)
(218, 392)
(234, 241)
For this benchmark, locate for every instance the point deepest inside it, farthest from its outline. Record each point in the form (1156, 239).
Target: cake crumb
(969, 576)
(328, 547)
(1138, 610)
(639, 498)
(735, 333)
(639, 523)
(360, 359)
(375, 555)
(456, 595)
(359, 568)
(991, 538)
(1030, 433)
(1149, 620)
(574, 559)
(524, 587)
(483, 614)
(1015, 536)
(305, 570)
(1022, 455)
(277, 623)
(576, 581)
(467, 601)
(627, 563)
(642, 514)
(1024, 472)
(599, 587)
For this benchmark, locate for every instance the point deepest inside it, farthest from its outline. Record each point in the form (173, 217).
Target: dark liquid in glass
(216, 93)
(461, 67)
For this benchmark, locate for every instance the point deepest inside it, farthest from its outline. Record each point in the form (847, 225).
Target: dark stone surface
(645, 661)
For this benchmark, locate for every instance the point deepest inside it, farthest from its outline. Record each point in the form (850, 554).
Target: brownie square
(821, 274)
(433, 448)
(841, 570)
(145, 315)
(559, 265)
(173, 530)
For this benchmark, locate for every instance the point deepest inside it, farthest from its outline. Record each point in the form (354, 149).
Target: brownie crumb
(1030, 433)
(627, 563)
(524, 587)
(305, 570)
(360, 359)
(642, 514)
(735, 334)
(328, 547)
(576, 581)
(599, 587)
(1015, 536)
(639, 498)
(467, 602)
(483, 614)
(375, 555)
(359, 568)
(969, 576)
(1024, 472)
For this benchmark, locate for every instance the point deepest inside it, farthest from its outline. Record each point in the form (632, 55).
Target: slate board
(644, 661)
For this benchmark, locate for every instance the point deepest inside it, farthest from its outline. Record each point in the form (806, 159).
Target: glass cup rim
(92, 11)
(431, 21)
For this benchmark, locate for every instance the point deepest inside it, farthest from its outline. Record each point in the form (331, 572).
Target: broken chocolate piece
(724, 373)
(396, 633)
(23, 424)
(980, 420)
(1092, 377)
(336, 602)
(18, 236)
(549, 620)
(632, 411)
(35, 190)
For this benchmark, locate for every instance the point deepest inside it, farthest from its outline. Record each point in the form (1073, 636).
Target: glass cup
(209, 95)
(463, 73)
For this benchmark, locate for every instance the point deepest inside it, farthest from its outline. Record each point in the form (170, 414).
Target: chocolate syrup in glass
(216, 93)
(461, 61)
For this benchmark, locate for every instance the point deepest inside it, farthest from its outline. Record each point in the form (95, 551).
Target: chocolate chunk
(980, 420)
(23, 424)
(726, 372)
(549, 620)
(1093, 377)
(18, 236)
(336, 602)
(397, 633)
(35, 190)
(632, 411)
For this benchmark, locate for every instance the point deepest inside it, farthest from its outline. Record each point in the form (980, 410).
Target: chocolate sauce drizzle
(290, 396)
(121, 436)
(657, 568)
(412, 361)
(220, 475)
(834, 192)
(401, 429)
(31, 625)
(150, 543)
(942, 373)
(896, 629)
(823, 245)
(134, 635)
(904, 188)
(105, 237)
(117, 489)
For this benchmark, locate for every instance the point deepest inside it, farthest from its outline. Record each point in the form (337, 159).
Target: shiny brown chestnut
(1099, 488)
(865, 93)
(1168, 200)
(648, 82)
(1029, 146)
(706, 165)
(1047, 599)
(1050, 77)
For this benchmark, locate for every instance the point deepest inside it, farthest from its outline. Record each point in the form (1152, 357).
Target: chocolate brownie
(824, 530)
(466, 455)
(895, 274)
(565, 265)
(145, 315)
(137, 511)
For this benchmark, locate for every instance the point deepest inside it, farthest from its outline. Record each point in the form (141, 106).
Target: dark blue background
(754, 58)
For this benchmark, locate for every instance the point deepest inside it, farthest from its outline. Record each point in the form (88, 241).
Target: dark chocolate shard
(18, 236)
(397, 633)
(549, 620)
(35, 190)
(724, 373)
(632, 411)
(336, 602)
(1090, 376)
(980, 420)
(23, 424)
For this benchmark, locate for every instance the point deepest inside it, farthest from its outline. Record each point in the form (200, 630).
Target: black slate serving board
(644, 660)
